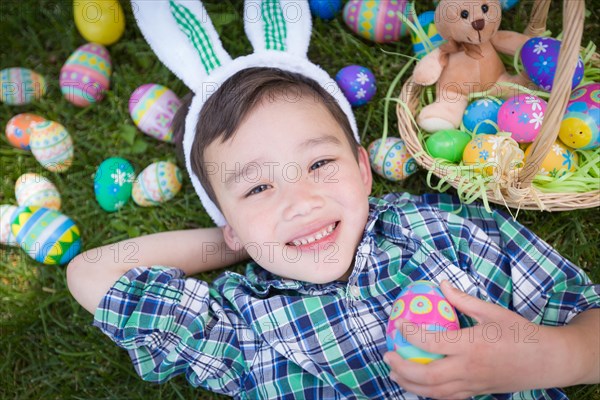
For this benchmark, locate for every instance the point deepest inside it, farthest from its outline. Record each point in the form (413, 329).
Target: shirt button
(355, 291)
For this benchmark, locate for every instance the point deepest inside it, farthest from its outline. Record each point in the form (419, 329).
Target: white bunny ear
(283, 25)
(183, 37)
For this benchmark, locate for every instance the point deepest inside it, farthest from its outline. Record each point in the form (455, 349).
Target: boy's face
(291, 190)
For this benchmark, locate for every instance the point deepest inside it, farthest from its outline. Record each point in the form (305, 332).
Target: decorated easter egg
(18, 129)
(21, 86)
(357, 84)
(46, 235)
(522, 116)
(325, 9)
(99, 21)
(35, 190)
(581, 123)
(7, 214)
(539, 56)
(421, 303)
(52, 146)
(113, 183)
(86, 75)
(157, 183)
(376, 20)
(559, 160)
(152, 108)
(488, 153)
(448, 144)
(427, 22)
(391, 159)
(481, 116)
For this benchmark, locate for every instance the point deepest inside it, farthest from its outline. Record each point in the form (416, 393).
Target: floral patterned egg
(86, 75)
(52, 146)
(492, 154)
(559, 160)
(113, 183)
(46, 235)
(18, 129)
(35, 190)
(581, 123)
(157, 183)
(391, 159)
(152, 108)
(422, 303)
(522, 116)
(481, 116)
(427, 22)
(540, 57)
(7, 214)
(376, 20)
(357, 84)
(21, 86)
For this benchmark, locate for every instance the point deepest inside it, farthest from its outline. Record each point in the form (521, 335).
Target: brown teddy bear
(468, 62)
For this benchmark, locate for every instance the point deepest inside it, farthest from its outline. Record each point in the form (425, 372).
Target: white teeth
(318, 236)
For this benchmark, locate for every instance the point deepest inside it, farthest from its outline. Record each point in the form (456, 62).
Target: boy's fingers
(438, 342)
(481, 310)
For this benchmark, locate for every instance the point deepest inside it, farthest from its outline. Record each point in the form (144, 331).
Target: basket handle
(573, 18)
(539, 16)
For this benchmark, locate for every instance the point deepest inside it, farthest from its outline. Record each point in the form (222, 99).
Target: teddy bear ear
(280, 25)
(183, 38)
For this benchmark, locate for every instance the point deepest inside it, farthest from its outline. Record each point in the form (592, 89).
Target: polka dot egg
(46, 235)
(581, 123)
(481, 116)
(7, 214)
(427, 22)
(539, 56)
(21, 86)
(86, 75)
(157, 183)
(391, 159)
(559, 160)
(422, 303)
(357, 84)
(376, 20)
(152, 108)
(522, 116)
(52, 146)
(35, 190)
(18, 129)
(113, 183)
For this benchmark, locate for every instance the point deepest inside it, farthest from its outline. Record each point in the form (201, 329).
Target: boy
(308, 318)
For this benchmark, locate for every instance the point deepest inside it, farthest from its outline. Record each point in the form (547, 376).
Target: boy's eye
(258, 189)
(319, 164)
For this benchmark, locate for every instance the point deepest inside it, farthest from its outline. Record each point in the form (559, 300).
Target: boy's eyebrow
(320, 140)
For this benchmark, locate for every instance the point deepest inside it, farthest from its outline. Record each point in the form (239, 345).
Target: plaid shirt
(260, 336)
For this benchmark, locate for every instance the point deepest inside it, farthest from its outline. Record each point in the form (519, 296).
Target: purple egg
(540, 57)
(357, 84)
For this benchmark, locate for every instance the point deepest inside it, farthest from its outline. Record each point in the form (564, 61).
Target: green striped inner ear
(275, 26)
(193, 29)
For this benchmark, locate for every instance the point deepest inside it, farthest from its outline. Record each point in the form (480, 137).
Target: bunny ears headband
(185, 40)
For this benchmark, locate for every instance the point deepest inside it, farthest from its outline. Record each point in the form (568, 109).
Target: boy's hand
(503, 353)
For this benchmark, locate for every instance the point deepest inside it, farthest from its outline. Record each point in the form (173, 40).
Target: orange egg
(18, 129)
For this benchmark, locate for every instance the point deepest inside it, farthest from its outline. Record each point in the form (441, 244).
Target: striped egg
(35, 190)
(376, 20)
(18, 129)
(7, 214)
(52, 146)
(424, 304)
(157, 183)
(21, 86)
(152, 108)
(86, 75)
(427, 22)
(46, 235)
(391, 159)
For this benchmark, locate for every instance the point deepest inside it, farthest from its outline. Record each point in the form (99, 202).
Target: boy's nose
(301, 199)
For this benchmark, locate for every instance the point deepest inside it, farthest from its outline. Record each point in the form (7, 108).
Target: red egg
(18, 129)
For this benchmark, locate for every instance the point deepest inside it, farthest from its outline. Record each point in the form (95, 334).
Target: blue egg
(357, 84)
(325, 9)
(483, 112)
(508, 4)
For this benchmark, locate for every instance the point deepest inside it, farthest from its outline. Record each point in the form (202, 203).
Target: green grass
(48, 349)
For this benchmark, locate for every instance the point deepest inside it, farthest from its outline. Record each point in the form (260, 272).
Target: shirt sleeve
(172, 325)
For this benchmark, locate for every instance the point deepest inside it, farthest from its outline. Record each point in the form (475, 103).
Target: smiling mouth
(316, 236)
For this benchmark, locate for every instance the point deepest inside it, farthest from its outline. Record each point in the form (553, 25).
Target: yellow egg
(99, 21)
(559, 160)
(482, 151)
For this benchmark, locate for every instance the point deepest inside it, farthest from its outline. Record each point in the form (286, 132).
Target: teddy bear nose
(478, 25)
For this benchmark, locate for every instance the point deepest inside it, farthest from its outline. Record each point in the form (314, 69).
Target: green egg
(448, 144)
(113, 183)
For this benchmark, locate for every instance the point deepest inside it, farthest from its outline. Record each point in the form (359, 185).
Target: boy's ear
(231, 238)
(365, 168)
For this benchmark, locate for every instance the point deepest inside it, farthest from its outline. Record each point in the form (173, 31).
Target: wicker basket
(514, 188)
